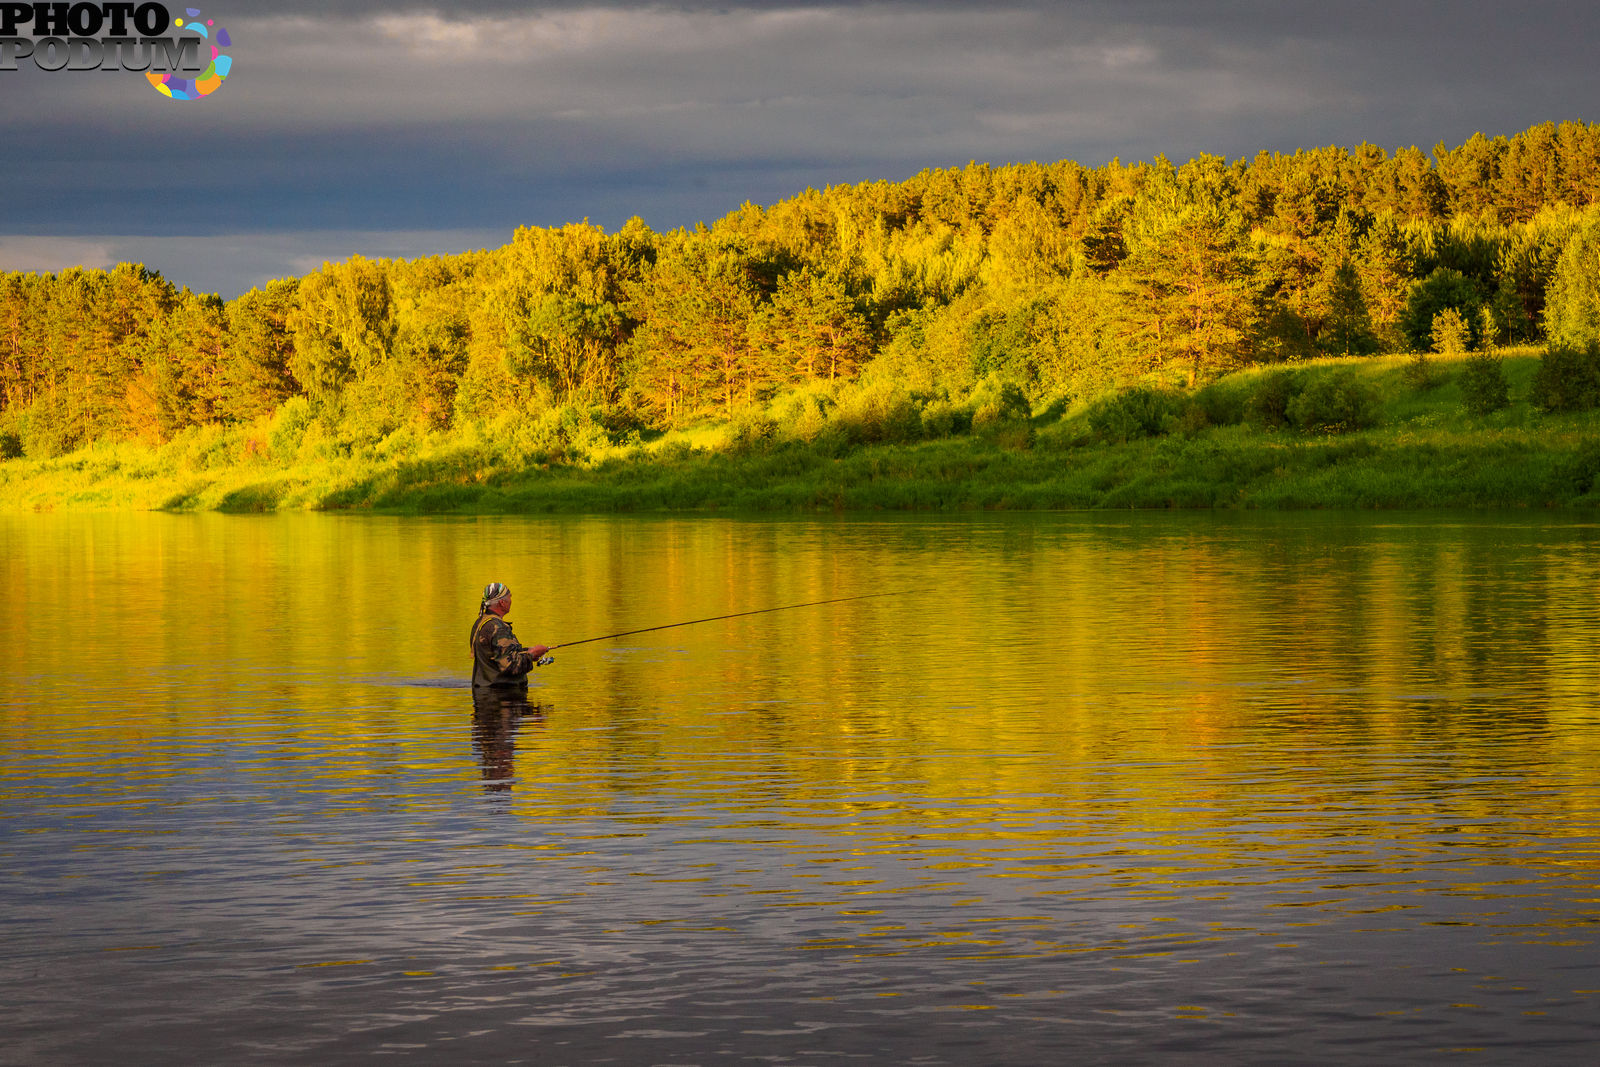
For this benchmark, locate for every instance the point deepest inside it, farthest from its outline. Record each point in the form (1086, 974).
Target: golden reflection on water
(1158, 740)
(1202, 660)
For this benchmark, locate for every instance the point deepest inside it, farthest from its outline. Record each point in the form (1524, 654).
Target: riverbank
(1423, 450)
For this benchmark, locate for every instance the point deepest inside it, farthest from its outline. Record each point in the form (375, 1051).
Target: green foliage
(751, 428)
(876, 413)
(1386, 267)
(814, 327)
(1432, 455)
(342, 325)
(1274, 392)
(1483, 384)
(257, 497)
(1579, 475)
(204, 448)
(1062, 281)
(258, 348)
(1444, 289)
(1347, 330)
(803, 415)
(1334, 403)
(47, 431)
(1142, 411)
(10, 445)
(1526, 268)
(562, 304)
(1103, 245)
(998, 400)
(1568, 378)
(286, 433)
(941, 418)
(429, 356)
(1422, 372)
(931, 351)
(695, 349)
(569, 433)
(1572, 308)
(1221, 403)
(1449, 334)
(1191, 270)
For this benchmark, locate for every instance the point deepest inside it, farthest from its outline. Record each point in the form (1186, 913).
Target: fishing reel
(544, 661)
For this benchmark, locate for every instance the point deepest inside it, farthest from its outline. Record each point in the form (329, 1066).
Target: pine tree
(693, 344)
(1384, 263)
(1348, 329)
(815, 328)
(1193, 273)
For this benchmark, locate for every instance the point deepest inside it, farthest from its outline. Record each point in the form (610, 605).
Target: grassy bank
(1423, 450)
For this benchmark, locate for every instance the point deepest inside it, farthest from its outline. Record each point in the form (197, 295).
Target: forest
(907, 310)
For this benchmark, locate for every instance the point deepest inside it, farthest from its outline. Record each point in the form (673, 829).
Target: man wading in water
(498, 658)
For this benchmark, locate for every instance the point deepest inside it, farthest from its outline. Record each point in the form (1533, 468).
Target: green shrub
(803, 416)
(1572, 301)
(262, 496)
(622, 422)
(880, 412)
(1055, 408)
(1579, 474)
(46, 432)
(1423, 372)
(750, 429)
(676, 452)
(1483, 385)
(997, 401)
(1194, 419)
(1269, 404)
(1568, 378)
(287, 430)
(1334, 403)
(10, 445)
(942, 418)
(566, 433)
(204, 447)
(318, 443)
(1142, 411)
(1012, 435)
(367, 419)
(1221, 404)
(398, 445)
(581, 429)
(1444, 288)
(1449, 333)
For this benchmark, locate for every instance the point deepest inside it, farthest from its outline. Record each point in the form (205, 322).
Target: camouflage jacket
(498, 658)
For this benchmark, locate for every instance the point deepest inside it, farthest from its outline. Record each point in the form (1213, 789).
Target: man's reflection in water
(496, 714)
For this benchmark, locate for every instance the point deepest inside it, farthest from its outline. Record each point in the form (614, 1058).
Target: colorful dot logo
(206, 82)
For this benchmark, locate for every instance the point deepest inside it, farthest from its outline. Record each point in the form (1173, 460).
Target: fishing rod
(719, 618)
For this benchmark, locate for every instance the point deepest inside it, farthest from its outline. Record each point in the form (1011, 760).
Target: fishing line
(719, 618)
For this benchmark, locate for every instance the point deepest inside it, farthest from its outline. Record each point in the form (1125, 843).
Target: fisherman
(498, 658)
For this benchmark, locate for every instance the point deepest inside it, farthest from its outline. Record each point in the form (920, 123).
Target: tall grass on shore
(1334, 433)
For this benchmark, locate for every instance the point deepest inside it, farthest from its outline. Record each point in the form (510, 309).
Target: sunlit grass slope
(1423, 449)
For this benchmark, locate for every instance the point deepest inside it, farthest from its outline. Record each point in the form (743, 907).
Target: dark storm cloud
(361, 117)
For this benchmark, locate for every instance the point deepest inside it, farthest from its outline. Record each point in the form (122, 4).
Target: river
(1201, 788)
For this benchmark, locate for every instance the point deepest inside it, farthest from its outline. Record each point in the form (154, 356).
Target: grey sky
(406, 129)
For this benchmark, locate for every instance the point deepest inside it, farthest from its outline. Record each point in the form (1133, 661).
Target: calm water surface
(1089, 789)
